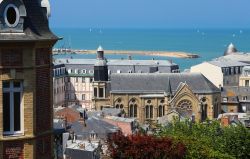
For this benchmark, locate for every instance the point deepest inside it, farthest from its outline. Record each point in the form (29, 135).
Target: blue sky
(150, 13)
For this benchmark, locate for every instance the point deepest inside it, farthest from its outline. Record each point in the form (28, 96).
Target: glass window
(84, 71)
(149, 111)
(83, 96)
(6, 84)
(160, 111)
(12, 99)
(244, 98)
(6, 111)
(101, 92)
(246, 83)
(95, 92)
(132, 108)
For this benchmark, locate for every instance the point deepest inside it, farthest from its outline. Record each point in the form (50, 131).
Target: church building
(148, 96)
(26, 114)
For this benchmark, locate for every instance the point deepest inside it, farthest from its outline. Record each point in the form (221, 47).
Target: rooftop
(221, 62)
(117, 62)
(158, 82)
(95, 124)
(35, 22)
(87, 146)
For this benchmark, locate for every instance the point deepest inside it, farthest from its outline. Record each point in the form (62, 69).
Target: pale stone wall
(211, 72)
(76, 89)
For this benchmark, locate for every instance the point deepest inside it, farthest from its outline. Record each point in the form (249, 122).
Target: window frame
(11, 90)
(247, 83)
(149, 111)
(101, 92)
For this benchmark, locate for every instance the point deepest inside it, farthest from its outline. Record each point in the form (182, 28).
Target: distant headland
(130, 52)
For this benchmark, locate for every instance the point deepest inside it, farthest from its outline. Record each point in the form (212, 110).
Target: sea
(207, 43)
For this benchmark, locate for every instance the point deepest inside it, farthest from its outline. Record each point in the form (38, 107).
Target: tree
(142, 146)
(209, 139)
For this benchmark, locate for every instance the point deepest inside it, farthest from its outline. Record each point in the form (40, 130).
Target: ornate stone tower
(26, 112)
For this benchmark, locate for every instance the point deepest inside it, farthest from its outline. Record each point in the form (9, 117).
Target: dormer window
(11, 15)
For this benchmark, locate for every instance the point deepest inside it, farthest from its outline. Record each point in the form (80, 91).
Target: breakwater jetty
(129, 52)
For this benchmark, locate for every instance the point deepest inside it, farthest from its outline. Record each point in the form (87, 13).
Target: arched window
(185, 106)
(133, 108)
(118, 104)
(161, 111)
(149, 111)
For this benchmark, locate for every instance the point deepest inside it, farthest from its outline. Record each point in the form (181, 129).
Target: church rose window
(185, 104)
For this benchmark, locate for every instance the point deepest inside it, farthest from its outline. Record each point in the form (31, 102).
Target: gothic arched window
(149, 111)
(161, 111)
(118, 104)
(132, 108)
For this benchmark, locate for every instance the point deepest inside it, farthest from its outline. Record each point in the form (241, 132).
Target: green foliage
(210, 140)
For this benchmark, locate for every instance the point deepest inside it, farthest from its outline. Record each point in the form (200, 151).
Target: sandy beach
(130, 52)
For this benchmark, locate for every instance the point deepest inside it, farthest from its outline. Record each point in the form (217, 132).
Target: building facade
(230, 73)
(225, 70)
(59, 87)
(26, 125)
(149, 96)
(78, 77)
(237, 98)
(245, 77)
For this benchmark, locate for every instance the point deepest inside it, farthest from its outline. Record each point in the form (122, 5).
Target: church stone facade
(149, 96)
(26, 114)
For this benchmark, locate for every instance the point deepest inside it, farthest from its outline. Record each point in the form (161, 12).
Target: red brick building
(26, 112)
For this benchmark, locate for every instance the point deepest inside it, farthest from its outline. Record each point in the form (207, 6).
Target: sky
(150, 14)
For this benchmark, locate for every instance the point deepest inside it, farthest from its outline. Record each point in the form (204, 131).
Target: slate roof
(158, 83)
(222, 62)
(235, 59)
(102, 128)
(117, 62)
(118, 65)
(36, 26)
